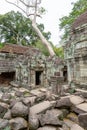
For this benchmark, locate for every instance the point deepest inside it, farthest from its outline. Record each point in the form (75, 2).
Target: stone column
(56, 84)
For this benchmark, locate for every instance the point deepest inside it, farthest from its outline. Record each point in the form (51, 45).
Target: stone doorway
(38, 77)
(7, 77)
(65, 73)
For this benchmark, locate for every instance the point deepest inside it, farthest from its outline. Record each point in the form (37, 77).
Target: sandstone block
(19, 110)
(18, 123)
(83, 120)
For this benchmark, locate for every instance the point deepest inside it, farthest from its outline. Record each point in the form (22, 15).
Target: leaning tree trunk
(34, 25)
(43, 39)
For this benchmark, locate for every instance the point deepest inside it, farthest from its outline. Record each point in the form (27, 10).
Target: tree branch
(39, 2)
(15, 5)
(33, 14)
(26, 4)
(43, 39)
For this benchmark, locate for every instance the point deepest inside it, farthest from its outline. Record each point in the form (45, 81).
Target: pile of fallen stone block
(39, 109)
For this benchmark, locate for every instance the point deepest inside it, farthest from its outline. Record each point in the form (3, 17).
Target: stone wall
(6, 63)
(32, 69)
(76, 56)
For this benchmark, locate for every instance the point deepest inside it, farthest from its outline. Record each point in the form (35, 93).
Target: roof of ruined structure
(82, 19)
(13, 48)
(21, 50)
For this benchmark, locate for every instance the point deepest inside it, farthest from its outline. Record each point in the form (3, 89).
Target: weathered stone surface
(40, 98)
(82, 92)
(65, 127)
(6, 97)
(60, 129)
(36, 92)
(19, 110)
(51, 118)
(69, 123)
(3, 123)
(14, 84)
(23, 90)
(81, 108)
(47, 128)
(64, 102)
(72, 125)
(1, 93)
(28, 100)
(7, 115)
(40, 107)
(18, 123)
(14, 101)
(33, 122)
(76, 127)
(18, 93)
(3, 109)
(39, 94)
(71, 102)
(43, 90)
(83, 120)
(75, 100)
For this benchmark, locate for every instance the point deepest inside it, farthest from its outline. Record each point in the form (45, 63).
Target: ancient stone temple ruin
(75, 51)
(27, 66)
(31, 98)
(35, 69)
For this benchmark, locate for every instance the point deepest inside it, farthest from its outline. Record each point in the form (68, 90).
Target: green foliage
(65, 22)
(59, 51)
(42, 48)
(1, 45)
(13, 28)
(41, 11)
(7, 128)
(17, 29)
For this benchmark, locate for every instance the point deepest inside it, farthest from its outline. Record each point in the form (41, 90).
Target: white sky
(55, 10)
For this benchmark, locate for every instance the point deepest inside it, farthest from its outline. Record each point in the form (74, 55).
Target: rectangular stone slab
(40, 107)
(81, 108)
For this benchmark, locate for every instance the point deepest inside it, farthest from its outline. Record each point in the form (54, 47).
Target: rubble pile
(39, 109)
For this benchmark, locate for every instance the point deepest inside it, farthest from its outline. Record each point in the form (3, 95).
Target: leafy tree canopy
(59, 51)
(65, 22)
(17, 29)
